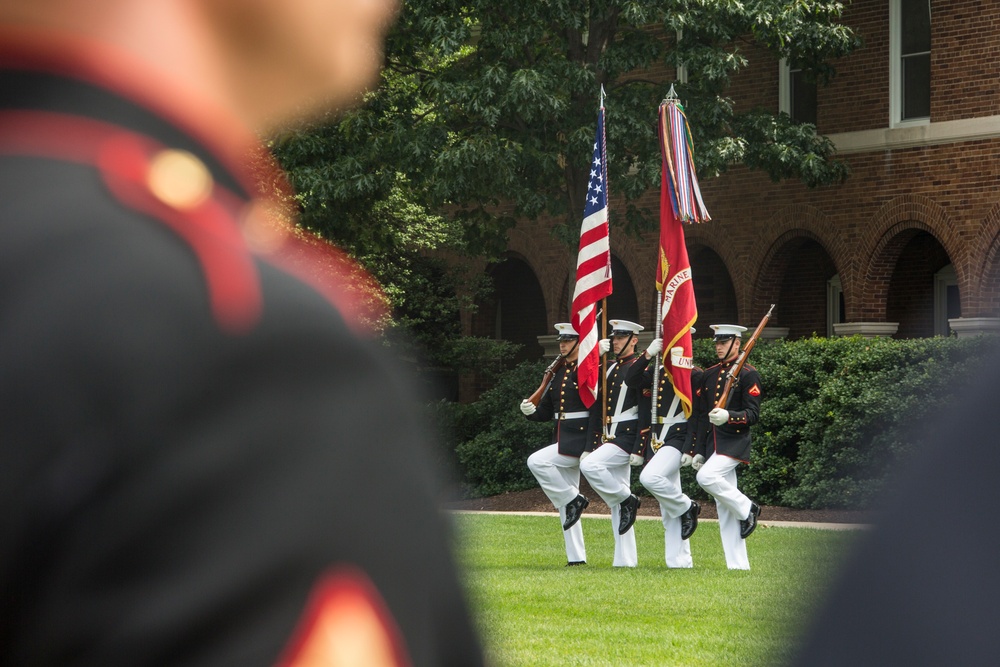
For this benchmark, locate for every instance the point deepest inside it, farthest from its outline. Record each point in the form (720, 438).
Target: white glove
(718, 416)
(655, 347)
(604, 345)
(635, 460)
(584, 455)
(697, 462)
(527, 407)
(686, 460)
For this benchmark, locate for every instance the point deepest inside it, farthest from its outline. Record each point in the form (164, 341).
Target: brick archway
(878, 276)
(632, 253)
(988, 301)
(624, 301)
(792, 224)
(551, 270)
(793, 275)
(892, 228)
(516, 310)
(883, 266)
(715, 293)
(984, 279)
(710, 237)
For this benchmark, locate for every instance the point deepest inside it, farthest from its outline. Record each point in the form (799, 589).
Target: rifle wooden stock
(734, 371)
(546, 379)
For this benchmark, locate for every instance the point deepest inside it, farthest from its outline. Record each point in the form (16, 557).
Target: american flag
(593, 269)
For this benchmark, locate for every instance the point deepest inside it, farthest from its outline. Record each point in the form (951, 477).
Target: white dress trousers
(559, 477)
(718, 477)
(662, 478)
(608, 471)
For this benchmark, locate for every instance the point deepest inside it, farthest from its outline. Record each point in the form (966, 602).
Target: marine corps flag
(593, 268)
(680, 200)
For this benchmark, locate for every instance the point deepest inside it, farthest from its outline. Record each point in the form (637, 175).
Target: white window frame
(943, 279)
(680, 68)
(785, 89)
(784, 86)
(833, 292)
(896, 69)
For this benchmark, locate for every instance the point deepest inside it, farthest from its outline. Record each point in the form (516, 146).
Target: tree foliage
(492, 440)
(486, 110)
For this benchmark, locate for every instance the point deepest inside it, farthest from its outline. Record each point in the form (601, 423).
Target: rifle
(547, 376)
(734, 371)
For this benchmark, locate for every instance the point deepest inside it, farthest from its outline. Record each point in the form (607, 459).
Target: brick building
(908, 246)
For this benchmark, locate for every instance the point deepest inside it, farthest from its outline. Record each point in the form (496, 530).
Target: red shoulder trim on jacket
(123, 159)
(210, 228)
(346, 622)
(101, 64)
(629, 360)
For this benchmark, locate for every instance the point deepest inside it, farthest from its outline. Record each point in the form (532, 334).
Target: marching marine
(722, 442)
(665, 452)
(557, 466)
(616, 441)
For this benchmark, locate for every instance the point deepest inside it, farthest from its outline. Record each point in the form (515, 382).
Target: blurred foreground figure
(201, 461)
(921, 587)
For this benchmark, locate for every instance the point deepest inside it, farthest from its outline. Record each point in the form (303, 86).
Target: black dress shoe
(627, 512)
(689, 520)
(748, 524)
(574, 563)
(574, 510)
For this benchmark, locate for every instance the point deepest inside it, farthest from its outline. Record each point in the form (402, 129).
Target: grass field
(535, 612)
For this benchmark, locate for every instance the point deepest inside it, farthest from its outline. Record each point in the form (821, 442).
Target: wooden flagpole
(604, 369)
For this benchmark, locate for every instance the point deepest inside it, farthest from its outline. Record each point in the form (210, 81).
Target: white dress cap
(727, 331)
(624, 327)
(566, 331)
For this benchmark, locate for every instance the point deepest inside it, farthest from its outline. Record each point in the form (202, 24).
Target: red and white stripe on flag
(593, 270)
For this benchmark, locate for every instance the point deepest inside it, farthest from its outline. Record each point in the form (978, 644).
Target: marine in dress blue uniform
(722, 442)
(661, 473)
(557, 466)
(616, 441)
(186, 424)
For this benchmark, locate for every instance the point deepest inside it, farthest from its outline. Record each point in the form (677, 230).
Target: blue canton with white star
(597, 198)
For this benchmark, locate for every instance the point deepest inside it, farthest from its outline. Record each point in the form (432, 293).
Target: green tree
(486, 111)
(487, 104)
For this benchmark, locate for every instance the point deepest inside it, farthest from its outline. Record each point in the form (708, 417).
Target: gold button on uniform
(179, 179)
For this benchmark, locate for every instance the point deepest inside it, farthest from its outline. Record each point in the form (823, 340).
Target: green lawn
(533, 611)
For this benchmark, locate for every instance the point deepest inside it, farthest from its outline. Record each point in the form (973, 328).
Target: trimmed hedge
(494, 439)
(837, 414)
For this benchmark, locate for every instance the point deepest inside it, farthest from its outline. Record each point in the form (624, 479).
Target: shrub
(494, 438)
(837, 415)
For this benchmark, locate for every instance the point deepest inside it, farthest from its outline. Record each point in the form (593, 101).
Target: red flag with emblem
(680, 199)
